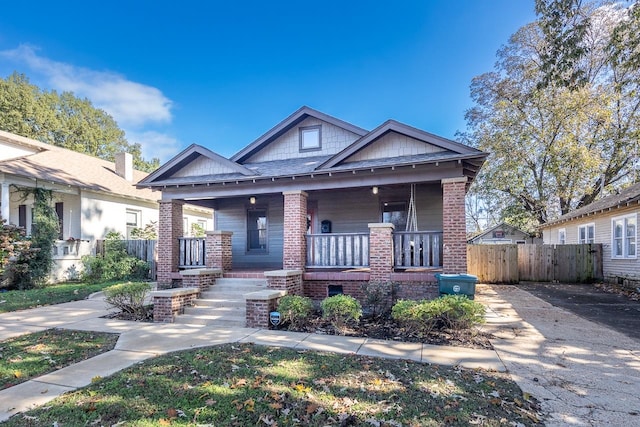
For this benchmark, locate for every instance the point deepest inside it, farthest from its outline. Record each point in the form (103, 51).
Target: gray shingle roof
(629, 195)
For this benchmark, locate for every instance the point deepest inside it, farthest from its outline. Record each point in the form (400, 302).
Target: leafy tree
(64, 120)
(554, 148)
(564, 25)
(149, 232)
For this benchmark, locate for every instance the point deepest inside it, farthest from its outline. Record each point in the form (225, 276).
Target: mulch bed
(378, 327)
(383, 327)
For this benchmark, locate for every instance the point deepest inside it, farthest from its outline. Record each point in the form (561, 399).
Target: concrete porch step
(223, 304)
(219, 302)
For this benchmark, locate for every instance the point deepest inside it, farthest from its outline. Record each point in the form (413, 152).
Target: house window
(562, 236)
(310, 138)
(257, 230)
(60, 213)
(587, 233)
(133, 221)
(396, 214)
(623, 233)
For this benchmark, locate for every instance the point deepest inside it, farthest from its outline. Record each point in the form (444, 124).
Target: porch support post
(454, 226)
(294, 254)
(4, 214)
(169, 229)
(217, 249)
(380, 252)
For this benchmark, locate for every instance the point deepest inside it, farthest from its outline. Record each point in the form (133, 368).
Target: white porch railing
(191, 252)
(417, 249)
(338, 250)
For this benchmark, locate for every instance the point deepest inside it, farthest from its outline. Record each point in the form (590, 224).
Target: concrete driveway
(612, 310)
(583, 373)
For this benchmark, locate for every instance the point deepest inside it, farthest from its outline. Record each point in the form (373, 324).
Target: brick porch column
(294, 254)
(169, 229)
(380, 252)
(454, 226)
(217, 248)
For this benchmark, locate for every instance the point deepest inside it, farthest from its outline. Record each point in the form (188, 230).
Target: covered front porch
(334, 237)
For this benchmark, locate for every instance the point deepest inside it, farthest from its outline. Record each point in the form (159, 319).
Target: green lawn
(250, 385)
(31, 355)
(53, 294)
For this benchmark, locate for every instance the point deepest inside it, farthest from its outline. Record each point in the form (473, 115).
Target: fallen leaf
(311, 408)
(172, 413)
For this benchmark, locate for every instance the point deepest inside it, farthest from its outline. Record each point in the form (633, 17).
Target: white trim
(562, 232)
(624, 238)
(586, 233)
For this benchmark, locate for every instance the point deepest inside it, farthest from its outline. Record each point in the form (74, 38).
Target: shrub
(340, 310)
(462, 312)
(15, 255)
(455, 312)
(114, 264)
(378, 297)
(128, 297)
(295, 310)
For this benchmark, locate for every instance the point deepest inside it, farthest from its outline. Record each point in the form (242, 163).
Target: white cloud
(155, 144)
(130, 103)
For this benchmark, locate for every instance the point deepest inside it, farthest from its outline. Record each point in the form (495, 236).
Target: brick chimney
(124, 166)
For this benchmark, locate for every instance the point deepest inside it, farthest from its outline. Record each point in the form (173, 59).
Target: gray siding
(612, 268)
(231, 215)
(287, 146)
(350, 211)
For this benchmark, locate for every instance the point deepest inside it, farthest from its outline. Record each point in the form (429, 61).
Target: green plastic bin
(457, 284)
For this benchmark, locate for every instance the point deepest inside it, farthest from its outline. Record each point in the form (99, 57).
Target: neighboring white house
(503, 233)
(612, 221)
(92, 196)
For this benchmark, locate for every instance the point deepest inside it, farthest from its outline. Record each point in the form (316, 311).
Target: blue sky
(220, 74)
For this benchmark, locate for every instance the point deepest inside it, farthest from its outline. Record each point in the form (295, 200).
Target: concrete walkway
(140, 341)
(584, 374)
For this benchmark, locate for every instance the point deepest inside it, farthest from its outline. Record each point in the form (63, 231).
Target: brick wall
(454, 225)
(166, 307)
(201, 279)
(318, 290)
(295, 229)
(415, 290)
(169, 229)
(218, 250)
(289, 281)
(259, 305)
(380, 252)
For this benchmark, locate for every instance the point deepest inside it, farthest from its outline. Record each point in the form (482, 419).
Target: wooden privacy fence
(536, 263)
(141, 249)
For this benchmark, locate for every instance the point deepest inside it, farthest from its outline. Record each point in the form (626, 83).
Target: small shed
(503, 233)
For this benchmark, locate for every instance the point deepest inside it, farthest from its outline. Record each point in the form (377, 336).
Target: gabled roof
(444, 156)
(502, 225)
(287, 124)
(61, 166)
(624, 198)
(187, 156)
(401, 128)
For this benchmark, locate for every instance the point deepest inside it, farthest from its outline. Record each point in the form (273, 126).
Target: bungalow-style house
(611, 221)
(327, 202)
(503, 234)
(92, 197)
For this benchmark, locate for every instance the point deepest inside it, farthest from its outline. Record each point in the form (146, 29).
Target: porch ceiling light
(375, 190)
(252, 200)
